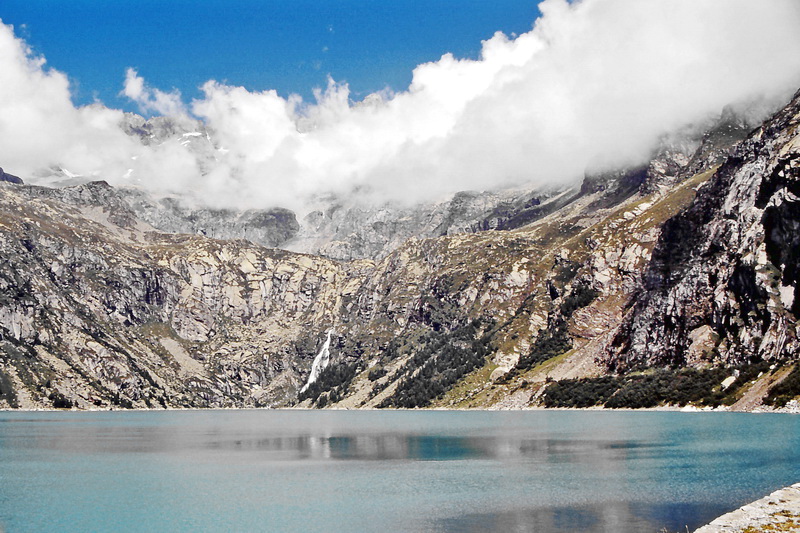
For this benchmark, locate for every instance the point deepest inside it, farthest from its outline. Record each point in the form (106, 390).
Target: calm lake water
(387, 471)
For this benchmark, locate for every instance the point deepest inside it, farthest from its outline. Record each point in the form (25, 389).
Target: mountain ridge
(101, 310)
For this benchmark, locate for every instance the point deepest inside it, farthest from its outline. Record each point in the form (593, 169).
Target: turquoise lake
(331, 471)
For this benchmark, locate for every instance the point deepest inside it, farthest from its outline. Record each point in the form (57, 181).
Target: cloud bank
(152, 100)
(594, 82)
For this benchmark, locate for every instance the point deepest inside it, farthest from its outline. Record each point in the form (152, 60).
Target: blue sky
(287, 45)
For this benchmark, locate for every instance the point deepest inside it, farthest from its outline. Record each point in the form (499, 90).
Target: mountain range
(672, 282)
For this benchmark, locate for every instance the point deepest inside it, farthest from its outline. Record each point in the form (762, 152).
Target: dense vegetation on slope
(442, 360)
(786, 390)
(332, 384)
(554, 340)
(660, 386)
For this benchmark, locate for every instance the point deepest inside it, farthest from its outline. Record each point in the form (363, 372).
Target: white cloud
(594, 82)
(39, 125)
(152, 100)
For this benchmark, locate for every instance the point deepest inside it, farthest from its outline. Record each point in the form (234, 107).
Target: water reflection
(611, 516)
(92, 439)
(549, 472)
(435, 448)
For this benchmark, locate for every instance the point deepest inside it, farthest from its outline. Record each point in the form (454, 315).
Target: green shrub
(556, 340)
(786, 390)
(567, 271)
(376, 373)
(550, 343)
(581, 296)
(661, 386)
(322, 401)
(586, 392)
(60, 401)
(337, 376)
(7, 392)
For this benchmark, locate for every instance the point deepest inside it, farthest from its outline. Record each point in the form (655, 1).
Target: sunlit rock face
(100, 308)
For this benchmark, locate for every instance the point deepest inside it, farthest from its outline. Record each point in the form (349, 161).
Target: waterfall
(320, 362)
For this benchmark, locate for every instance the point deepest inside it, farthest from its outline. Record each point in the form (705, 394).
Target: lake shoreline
(778, 511)
(794, 408)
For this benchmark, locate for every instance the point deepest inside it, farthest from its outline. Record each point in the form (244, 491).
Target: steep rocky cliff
(485, 300)
(99, 309)
(722, 283)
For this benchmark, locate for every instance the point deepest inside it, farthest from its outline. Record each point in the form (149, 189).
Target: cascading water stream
(320, 362)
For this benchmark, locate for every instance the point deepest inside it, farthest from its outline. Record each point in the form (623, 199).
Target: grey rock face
(267, 227)
(99, 309)
(680, 155)
(728, 264)
(156, 130)
(128, 208)
(346, 232)
(339, 229)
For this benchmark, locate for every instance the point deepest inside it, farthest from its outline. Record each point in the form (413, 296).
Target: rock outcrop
(722, 284)
(268, 227)
(780, 511)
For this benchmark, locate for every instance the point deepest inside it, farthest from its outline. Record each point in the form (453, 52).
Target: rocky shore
(780, 511)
